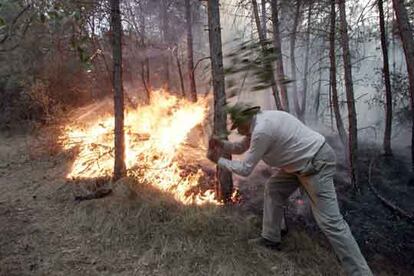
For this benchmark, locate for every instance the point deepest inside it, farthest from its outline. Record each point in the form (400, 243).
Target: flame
(153, 137)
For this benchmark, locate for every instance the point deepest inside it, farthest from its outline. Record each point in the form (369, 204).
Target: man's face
(244, 129)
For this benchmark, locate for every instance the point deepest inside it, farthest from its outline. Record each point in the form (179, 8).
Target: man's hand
(213, 155)
(215, 146)
(215, 141)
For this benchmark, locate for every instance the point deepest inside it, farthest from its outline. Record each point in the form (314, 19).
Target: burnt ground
(44, 231)
(385, 238)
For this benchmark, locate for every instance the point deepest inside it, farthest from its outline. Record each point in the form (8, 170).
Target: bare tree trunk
(293, 59)
(119, 166)
(387, 81)
(190, 58)
(264, 18)
(306, 69)
(180, 72)
(352, 116)
(166, 41)
(279, 57)
(145, 66)
(318, 94)
(330, 107)
(225, 182)
(144, 82)
(268, 65)
(148, 74)
(408, 45)
(332, 78)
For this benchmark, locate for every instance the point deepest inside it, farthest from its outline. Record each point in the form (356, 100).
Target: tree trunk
(302, 110)
(330, 107)
(352, 116)
(268, 67)
(190, 58)
(408, 45)
(387, 81)
(180, 72)
(318, 92)
(293, 59)
(332, 78)
(264, 18)
(119, 166)
(279, 57)
(166, 41)
(145, 67)
(225, 182)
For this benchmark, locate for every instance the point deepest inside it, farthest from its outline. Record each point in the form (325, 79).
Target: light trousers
(317, 180)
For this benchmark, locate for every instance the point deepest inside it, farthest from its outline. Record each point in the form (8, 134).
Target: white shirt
(279, 139)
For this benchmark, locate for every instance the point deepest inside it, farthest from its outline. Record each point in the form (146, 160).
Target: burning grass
(155, 137)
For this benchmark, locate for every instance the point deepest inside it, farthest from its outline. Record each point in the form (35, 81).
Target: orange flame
(153, 136)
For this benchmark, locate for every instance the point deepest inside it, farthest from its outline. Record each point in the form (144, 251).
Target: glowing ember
(153, 136)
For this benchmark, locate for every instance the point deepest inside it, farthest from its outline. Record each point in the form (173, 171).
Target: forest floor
(141, 231)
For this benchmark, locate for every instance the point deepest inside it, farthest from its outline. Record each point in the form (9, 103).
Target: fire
(154, 135)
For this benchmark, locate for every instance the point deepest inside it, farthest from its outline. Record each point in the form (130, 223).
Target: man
(304, 160)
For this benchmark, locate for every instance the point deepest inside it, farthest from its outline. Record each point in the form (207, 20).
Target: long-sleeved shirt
(279, 139)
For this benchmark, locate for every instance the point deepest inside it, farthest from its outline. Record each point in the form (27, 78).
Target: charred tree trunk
(166, 41)
(293, 36)
(408, 45)
(268, 67)
(119, 166)
(190, 55)
(332, 77)
(387, 81)
(352, 116)
(225, 182)
(302, 109)
(264, 18)
(279, 57)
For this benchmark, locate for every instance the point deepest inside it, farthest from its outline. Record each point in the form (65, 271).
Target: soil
(385, 237)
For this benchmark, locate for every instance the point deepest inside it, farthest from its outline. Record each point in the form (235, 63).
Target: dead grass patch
(141, 229)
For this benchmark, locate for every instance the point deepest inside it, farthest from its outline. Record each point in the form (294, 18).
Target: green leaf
(2, 22)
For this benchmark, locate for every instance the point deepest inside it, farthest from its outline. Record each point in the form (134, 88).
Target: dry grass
(136, 231)
(144, 232)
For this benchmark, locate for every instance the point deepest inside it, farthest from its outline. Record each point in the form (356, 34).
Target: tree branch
(385, 201)
(14, 22)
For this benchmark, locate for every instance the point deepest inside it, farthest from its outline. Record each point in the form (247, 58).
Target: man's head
(241, 116)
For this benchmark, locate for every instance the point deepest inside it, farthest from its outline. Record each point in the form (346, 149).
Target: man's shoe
(262, 242)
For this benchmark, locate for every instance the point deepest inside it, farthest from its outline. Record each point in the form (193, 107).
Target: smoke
(237, 25)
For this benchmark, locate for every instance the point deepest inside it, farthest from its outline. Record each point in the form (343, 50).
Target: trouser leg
(321, 191)
(277, 190)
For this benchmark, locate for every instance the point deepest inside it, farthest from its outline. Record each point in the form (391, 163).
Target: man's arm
(260, 143)
(236, 147)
